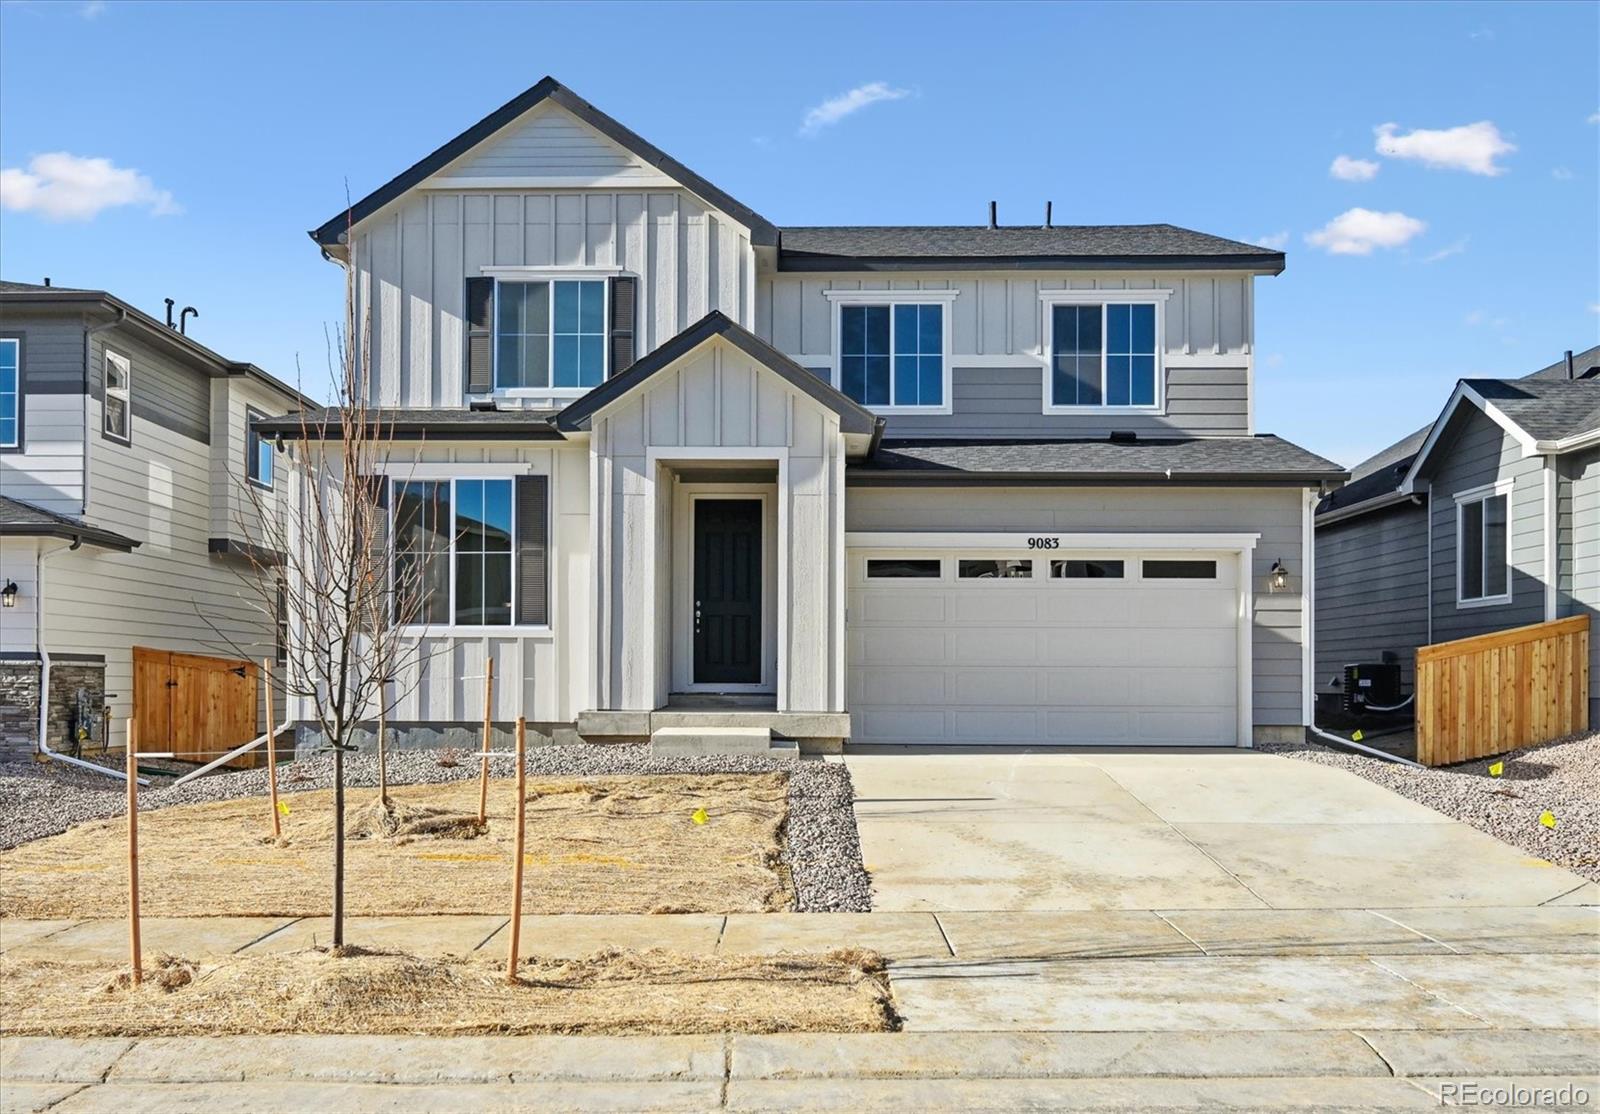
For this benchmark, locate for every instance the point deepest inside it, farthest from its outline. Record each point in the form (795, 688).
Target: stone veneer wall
(19, 702)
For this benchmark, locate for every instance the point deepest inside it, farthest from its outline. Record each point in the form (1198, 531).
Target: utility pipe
(1340, 740)
(44, 671)
(234, 753)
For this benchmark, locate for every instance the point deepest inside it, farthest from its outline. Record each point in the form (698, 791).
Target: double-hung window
(1103, 352)
(550, 334)
(117, 415)
(892, 353)
(1483, 570)
(454, 551)
(10, 393)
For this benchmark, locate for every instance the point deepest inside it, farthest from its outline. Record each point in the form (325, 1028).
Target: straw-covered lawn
(618, 844)
(313, 991)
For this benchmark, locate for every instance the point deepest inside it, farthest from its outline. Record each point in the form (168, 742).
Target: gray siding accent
(48, 469)
(1274, 513)
(1009, 402)
(1579, 556)
(1372, 591)
(1480, 452)
(165, 392)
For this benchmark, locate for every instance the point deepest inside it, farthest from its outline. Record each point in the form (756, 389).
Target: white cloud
(1594, 117)
(1347, 169)
(1482, 34)
(1277, 241)
(94, 9)
(1358, 231)
(1470, 147)
(1594, 307)
(1446, 252)
(1561, 174)
(834, 109)
(1274, 359)
(63, 186)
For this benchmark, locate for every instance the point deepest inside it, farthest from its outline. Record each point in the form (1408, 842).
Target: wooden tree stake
(516, 867)
(272, 751)
(383, 754)
(133, 852)
(488, 726)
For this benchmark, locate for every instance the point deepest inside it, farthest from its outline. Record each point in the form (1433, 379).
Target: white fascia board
(947, 539)
(1585, 440)
(1464, 393)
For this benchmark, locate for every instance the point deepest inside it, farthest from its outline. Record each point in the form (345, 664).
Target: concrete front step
(718, 740)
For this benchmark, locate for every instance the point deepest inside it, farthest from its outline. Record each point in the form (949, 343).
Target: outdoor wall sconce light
(8, 594)
(1278, 577)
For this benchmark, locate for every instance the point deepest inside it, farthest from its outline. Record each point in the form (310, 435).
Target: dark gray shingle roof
(1586, 361)
(24, 520)
(817, 248)
(1218, 459)
(1546, 409)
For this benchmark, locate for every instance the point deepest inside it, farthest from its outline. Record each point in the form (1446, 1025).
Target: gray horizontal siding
(1372, 591)
(1478, 452)
(1275, 514)
(1009, 402)
(48, 468)
(165, 392)
(1579, 550)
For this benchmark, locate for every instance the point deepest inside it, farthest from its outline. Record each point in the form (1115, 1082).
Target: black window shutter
(480, 326)
(533, 550)
(624, 311)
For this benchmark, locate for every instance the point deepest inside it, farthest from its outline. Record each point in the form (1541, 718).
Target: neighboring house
(124, 448)
(671, 464)
(1486, 519)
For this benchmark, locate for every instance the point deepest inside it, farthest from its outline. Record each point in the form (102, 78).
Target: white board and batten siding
(1276, 514)
(413, 257)
(717, 404)
(996, 358)
(539, 671)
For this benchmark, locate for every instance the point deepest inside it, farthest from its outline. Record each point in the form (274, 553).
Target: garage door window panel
(995, 569)
(1086, 570)
(1170, 569)
(903, 568)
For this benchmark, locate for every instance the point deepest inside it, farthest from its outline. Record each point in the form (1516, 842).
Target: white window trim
(1478, 495)
(504, 275)
(451, 627)
(1049, 299)
(15, 442)
(841, 298)
(125, 393)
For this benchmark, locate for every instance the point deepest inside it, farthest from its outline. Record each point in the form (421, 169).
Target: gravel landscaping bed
(821, 846)
(1562, 778)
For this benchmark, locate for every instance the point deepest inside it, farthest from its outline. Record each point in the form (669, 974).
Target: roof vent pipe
(1571, 372)
(47, 280)
(994, 214)
(183, 319)
(1047, 221)
(170, 303)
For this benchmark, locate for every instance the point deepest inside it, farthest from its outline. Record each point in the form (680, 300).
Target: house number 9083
(1044, 543)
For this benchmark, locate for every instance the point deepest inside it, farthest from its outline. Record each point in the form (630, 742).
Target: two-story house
(674, 465)
(125, 451)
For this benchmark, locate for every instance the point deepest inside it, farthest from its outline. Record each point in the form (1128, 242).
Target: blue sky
(230, 129)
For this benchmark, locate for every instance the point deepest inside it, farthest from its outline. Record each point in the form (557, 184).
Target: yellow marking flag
(698, 816)
(1497, 769)
(1548, 819)
(1356, 737)
(283, 807)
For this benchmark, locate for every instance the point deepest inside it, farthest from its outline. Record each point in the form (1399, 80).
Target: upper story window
(1483, 570)
(257, 451)
(1103, 351)
(550, 334)
(892, 349)
(117, 412)
(10, 393)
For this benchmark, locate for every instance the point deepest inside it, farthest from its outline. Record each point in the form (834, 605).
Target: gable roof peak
(547, 89)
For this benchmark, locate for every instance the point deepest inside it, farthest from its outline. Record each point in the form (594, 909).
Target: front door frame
(686, 495)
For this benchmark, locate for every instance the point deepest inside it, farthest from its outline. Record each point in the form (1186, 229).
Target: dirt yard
(620, 844)
(313, 991)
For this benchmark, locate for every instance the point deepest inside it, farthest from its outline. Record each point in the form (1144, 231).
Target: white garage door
(1048, 648)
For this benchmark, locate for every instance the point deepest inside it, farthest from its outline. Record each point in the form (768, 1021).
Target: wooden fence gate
(196, 707)
(1497, 692)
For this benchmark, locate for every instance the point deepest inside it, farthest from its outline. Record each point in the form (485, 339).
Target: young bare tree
(319, 561)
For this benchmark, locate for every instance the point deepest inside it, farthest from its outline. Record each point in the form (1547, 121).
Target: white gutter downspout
(1552, 566)
(44, 672)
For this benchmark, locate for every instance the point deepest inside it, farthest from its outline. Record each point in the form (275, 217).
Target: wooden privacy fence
(1497, 692)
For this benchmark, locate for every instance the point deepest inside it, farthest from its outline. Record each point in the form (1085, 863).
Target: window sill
(929, 410)
(440, 630)
(1148, 411)
(1487, 601)
(257, 484)
(519, 393)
